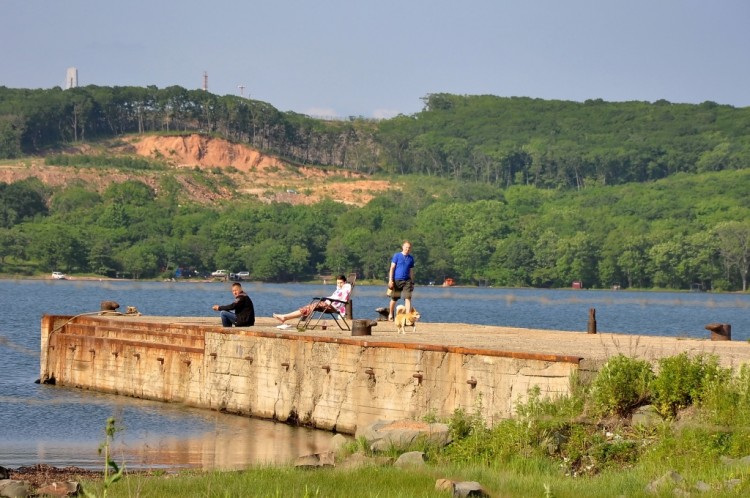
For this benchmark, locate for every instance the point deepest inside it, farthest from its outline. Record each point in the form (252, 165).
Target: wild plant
(539, 424)
(463, 425)
(682, 379)
(723, 398)
(358, 445)
(110, 431)
(430, 417)
(468, 433)
(622, 384)
(741, 388)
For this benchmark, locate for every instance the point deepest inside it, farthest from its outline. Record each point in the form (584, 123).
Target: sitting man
(240, 312)
(343, 289)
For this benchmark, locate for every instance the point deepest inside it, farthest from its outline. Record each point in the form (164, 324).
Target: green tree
(113, 216)
(100, 257)
(340, 256)
(544, 272)
(270, 261)
(73, 199)
(633, 260)
(13, 243)
(129, 192)
(12, 128)
(667, 264)
(734, 247)
(229, 257)
(58, 247)
(704, 260)
(139, 261)
(512, 262)
(299, 260)
(21, 201)
(578, 259)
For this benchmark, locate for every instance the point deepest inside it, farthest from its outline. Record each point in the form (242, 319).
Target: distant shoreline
(359, 282)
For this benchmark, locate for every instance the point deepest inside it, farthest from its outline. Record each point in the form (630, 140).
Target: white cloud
(384, 113)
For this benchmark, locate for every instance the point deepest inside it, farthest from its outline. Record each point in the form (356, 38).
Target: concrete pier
(331, 379)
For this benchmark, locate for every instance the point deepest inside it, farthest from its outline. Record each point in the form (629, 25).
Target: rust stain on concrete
(330, 379)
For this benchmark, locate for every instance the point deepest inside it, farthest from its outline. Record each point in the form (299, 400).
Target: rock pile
(400, 435)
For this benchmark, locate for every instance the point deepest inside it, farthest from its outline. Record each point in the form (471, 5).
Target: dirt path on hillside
(254, 174)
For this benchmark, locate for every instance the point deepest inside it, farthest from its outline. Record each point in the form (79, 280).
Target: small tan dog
(403, 319)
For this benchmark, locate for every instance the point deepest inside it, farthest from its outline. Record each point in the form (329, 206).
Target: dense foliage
(522, 192)
(674, 233)
(580, 432)
(35, 120)
(561, 144)
(487, 139)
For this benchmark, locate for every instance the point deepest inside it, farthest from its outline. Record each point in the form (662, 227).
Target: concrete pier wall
(335, 383)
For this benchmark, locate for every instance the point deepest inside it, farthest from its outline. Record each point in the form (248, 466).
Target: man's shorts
(402, 288)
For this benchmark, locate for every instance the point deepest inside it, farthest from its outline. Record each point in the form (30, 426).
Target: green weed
(112, 472)
(552, 447)
(682, 380)
(622, 384)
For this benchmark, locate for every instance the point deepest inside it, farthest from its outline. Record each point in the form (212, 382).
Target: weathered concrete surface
(330, 379)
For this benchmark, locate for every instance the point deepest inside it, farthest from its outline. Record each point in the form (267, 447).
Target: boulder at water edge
(382, 435)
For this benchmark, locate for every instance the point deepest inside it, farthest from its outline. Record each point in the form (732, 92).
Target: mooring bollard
(720, 331)
(592, 321)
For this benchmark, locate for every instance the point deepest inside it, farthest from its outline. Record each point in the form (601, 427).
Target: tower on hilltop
(205, 81)
(71, 78)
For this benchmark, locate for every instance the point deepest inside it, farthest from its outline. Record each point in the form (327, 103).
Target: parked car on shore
(243, 275)
(59, 275)
(220, 273)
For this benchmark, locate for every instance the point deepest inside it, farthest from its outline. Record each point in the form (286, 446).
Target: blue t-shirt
(403, 265)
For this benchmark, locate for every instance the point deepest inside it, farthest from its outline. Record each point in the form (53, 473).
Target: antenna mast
(242, 90)
(205, 81)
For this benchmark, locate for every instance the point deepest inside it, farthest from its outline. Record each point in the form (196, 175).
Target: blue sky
(379, 58)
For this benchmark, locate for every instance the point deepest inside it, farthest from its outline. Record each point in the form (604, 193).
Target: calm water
(58, 426)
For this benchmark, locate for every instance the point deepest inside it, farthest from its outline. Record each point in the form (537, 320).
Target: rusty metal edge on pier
(329, 379)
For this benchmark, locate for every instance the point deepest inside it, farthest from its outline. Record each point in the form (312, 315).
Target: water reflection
(150, 434)
(235, 442)
(58, 426)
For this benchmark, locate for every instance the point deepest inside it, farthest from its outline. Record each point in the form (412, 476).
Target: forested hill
(497, 140)
(513, 141)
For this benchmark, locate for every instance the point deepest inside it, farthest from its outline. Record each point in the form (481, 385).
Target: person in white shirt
(334, 303)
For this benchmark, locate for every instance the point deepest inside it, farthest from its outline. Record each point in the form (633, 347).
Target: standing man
(240, 312)
(401, 277)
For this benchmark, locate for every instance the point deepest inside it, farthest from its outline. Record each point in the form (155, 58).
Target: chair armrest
(329, 299)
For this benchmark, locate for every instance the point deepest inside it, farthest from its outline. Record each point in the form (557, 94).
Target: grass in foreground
(582, 445)
(531, 478)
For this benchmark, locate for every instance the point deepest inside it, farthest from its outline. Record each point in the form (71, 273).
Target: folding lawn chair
(318, 313)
